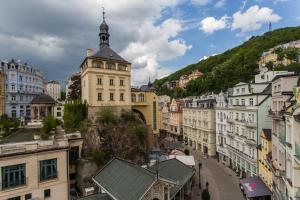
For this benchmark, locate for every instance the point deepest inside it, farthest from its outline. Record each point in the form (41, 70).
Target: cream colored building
(2, 93)
(199, 124)
(175, 119)
(53, 89)
(34, 170)
(282, 91)
(39, 169)
(105, 77)
(292, 125)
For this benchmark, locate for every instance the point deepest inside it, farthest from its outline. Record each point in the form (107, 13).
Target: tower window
(122, 97)
(111, 96)
(121, 82)
(99, 96)
(99, 82)
(111, 81)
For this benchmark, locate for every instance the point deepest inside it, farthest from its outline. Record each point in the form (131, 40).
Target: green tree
(75, 88)
(280, 53)
(49, 124)
(270, 65)
(74, 113)
(292, 54)
(107, 115)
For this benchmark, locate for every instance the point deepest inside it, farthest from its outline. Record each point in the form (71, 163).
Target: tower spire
(103, 35)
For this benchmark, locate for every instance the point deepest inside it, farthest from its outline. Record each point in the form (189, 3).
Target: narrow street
(223, 183)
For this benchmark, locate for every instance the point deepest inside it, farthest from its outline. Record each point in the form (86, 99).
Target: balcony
(250, 124)
(229, 120)
(251, 142)
(230, 134)
(276, 114)
(297, 153)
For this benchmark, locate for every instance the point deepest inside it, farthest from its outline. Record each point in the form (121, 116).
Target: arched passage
(140, 115)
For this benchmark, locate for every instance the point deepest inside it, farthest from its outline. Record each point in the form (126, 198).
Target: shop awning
(254, 187)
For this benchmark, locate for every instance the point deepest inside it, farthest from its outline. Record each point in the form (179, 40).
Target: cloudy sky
(156, 36)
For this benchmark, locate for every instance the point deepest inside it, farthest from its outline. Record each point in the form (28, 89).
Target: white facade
(199, 129)
(247, 108)
(221, 124)
(53, 90)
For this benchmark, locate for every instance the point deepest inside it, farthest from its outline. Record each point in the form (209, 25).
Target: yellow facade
(102, 86)
(264, 170)
(2, 93)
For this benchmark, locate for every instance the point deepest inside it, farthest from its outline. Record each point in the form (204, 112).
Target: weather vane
(103, 12)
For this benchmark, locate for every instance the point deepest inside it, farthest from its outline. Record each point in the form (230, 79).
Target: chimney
(89, 52)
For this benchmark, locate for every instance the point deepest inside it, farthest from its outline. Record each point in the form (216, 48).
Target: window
(47, 193)
(111, 66)
(15, 198)
(141, 97)
(13, 87)
(13, 176)
(243, 102)
(121, 82)
(237, 102)
(99, 96)
(28, 196)
(21, 98)
(21, 78)
(99, 82)
(111, 96)
(243, 90)
(251, 102)
(133, 97)
(48, 169)
(111, 81)
(237, 91)
(13, 98)
(121, 96)
(73, 154)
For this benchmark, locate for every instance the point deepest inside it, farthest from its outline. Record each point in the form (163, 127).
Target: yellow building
(105, 77)
(175, 119)
(145, 103)
(264, 154)
(2, 93)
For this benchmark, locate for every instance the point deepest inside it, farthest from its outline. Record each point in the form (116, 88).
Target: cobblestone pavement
(223, 183)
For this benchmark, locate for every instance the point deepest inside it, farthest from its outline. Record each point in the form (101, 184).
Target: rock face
(124, 137)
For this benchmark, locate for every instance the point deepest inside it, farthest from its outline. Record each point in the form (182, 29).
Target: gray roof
(42, 99)
(107, 53)
(124, 180)
(174, 169)
(96, 197)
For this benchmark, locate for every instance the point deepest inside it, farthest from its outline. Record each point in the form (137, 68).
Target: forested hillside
(228, 68)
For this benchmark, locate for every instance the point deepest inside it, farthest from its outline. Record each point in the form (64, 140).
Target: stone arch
(140, 114)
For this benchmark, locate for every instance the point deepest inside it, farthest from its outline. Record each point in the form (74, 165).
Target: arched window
(133, 97)
(141, 97)
(122, 67)
(111, 66)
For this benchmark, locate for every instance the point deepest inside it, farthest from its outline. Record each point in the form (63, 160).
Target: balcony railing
(250, 124)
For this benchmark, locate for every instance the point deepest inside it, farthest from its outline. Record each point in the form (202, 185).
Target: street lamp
(199, 165)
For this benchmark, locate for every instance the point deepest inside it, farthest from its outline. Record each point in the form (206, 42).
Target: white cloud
(220, 3)
(279, 1)
(148, 51)
(253, 18)
(201, 2)
(211, 24)
(205, 57)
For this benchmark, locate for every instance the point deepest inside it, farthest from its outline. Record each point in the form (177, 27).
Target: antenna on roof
(270, 26)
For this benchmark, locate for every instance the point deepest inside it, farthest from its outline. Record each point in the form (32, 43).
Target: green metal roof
(96, 197)
(175, 170)
(124, 180)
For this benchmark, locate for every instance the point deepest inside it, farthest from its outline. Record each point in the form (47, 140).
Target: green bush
(187, 152)
(98, 156)
(107, 115)
(129, 115)
(49, 124)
